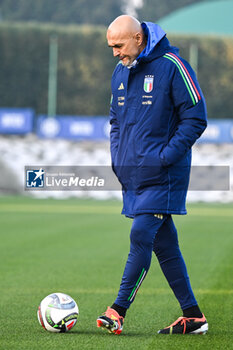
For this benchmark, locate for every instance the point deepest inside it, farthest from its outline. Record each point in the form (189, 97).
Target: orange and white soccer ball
(58, 312)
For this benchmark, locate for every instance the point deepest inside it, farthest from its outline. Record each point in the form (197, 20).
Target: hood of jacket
(157, 43)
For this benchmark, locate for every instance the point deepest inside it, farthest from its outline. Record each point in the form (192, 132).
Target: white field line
(72, 209)
(153, 292)
(142, 291)
(95, 209)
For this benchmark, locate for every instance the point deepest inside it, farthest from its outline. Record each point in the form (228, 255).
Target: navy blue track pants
(150, 233)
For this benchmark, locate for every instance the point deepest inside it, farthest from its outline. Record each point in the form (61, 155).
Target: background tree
(85, 66)
(83, 11)
(61, 11)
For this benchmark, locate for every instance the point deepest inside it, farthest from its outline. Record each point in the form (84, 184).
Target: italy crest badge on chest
(148, 83)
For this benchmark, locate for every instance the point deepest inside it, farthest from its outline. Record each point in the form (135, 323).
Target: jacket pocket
(151, 173)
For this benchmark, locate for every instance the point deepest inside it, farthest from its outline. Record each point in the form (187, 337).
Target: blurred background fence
(23, 121)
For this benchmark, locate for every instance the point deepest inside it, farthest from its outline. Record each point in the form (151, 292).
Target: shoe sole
(202, 330)
(105, 325)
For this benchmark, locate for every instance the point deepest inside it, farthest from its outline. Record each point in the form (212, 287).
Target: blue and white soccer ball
(58, 312)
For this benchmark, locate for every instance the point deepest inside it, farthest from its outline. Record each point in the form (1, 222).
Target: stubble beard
(126, 63)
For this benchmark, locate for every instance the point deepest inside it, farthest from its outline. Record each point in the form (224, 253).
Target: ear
(139, 38)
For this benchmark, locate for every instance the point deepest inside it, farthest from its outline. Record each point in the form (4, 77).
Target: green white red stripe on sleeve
(191, 87)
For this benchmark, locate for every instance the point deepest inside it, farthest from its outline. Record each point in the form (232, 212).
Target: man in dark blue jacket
(157, 113)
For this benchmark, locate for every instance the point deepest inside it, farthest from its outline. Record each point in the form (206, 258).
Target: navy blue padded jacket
(157, 113)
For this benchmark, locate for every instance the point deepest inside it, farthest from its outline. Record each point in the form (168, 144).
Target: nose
(115, 52)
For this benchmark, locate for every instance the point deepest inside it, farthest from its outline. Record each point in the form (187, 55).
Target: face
(125, 47)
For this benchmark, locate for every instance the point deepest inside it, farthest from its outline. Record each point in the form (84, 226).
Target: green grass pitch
(79, 247)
